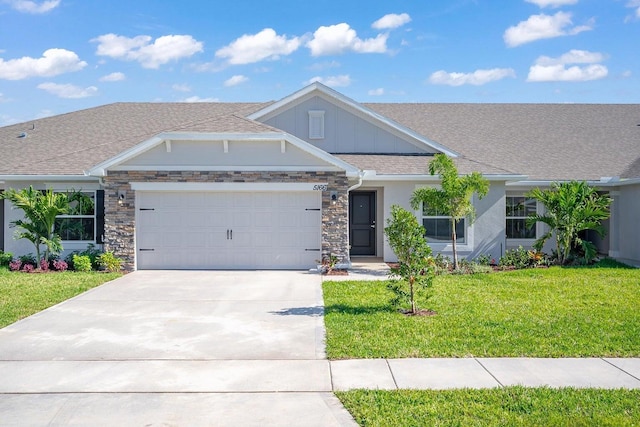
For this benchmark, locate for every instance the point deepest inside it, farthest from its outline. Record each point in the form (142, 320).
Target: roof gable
(270, 151)
(381, 135)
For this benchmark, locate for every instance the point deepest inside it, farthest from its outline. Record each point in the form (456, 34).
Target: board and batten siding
(344, 131)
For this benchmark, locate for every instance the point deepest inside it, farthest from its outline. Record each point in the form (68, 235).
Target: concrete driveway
(211, 348)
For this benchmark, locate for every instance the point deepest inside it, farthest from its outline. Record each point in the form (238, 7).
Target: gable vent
(316, 124)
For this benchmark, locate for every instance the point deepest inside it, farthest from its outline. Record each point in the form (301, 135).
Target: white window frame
(316, 124)
(520, 241)
(448, 218)
(467, 246)
(94, 217)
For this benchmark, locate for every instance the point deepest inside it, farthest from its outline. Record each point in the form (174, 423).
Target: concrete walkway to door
(174, 348)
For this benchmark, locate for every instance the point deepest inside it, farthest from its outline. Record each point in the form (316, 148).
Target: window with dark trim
(438, 226)
(518, 209)
(79, 224)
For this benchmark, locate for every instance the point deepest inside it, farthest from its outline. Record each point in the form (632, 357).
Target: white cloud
(265, 45)
(68, 90)
(333, 81)
(28, 6)
(340, 38)
(552, 3)
(560, 73)
(181, 87)
(198, 99)
(542, 27)
(235, 80)
(376, 92)
(52, 63)
(633, 4)
(626, 74)
(547, 69)
(149, 54)
(391, 21)
(477, 78)
(574, 56)
(113, 77)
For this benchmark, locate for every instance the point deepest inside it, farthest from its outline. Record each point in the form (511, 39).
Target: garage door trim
(229, 186)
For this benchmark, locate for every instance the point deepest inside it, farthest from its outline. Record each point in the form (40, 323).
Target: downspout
(359, 184)
(350, 189)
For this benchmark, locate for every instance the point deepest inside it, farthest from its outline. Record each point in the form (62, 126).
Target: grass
(511, 406)
(23, 294)
(555, 312)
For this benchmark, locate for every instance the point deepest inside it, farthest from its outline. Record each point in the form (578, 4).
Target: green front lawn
(23, 294)
(555, 312)
(511, 406)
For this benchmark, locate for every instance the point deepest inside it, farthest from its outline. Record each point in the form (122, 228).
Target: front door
(362, 222)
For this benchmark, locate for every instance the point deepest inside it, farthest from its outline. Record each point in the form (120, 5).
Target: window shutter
(100, 216)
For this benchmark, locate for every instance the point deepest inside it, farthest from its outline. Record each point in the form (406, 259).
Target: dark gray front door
(362, 222)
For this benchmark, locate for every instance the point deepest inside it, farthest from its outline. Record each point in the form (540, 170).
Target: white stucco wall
(484, 236)
(23, 246)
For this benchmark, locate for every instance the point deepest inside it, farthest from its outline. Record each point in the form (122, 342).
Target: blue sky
(58, 56)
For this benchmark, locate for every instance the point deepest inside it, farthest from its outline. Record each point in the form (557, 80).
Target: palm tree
(454, 197)
(40, 212)
(571, 208)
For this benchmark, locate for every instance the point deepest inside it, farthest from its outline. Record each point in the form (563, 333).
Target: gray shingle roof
(74, 142)
(543, 141)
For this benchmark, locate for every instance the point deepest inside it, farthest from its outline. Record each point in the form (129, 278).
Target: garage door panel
(193, 230)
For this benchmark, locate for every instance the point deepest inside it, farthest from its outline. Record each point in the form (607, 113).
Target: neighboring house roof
(542, 141)
(74, 142)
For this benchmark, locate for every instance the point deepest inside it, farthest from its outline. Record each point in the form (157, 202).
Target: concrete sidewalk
(448, 373)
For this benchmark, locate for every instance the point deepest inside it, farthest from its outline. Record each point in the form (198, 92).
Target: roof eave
(436, 178)
(70, 177)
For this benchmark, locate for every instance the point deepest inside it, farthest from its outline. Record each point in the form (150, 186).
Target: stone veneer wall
(120, 218)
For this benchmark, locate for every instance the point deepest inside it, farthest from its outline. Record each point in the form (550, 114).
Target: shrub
(60, 265)
(15, 265)
(44, 265)
(28, 259)
(92, 252)
(522, 258)
(471, 267)
(517, 258)
(110, 262)
(484, 259)
(28, 268)
(81, 263)
(5, 258)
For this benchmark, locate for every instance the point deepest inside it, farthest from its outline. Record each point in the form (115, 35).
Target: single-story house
(277, 184)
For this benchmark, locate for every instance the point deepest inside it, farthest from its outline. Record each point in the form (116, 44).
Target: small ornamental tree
(571, 208)
(453, 199)
(40, 212)
(406, 238)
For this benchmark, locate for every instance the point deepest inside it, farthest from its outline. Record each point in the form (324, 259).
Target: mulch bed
(337, 272)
